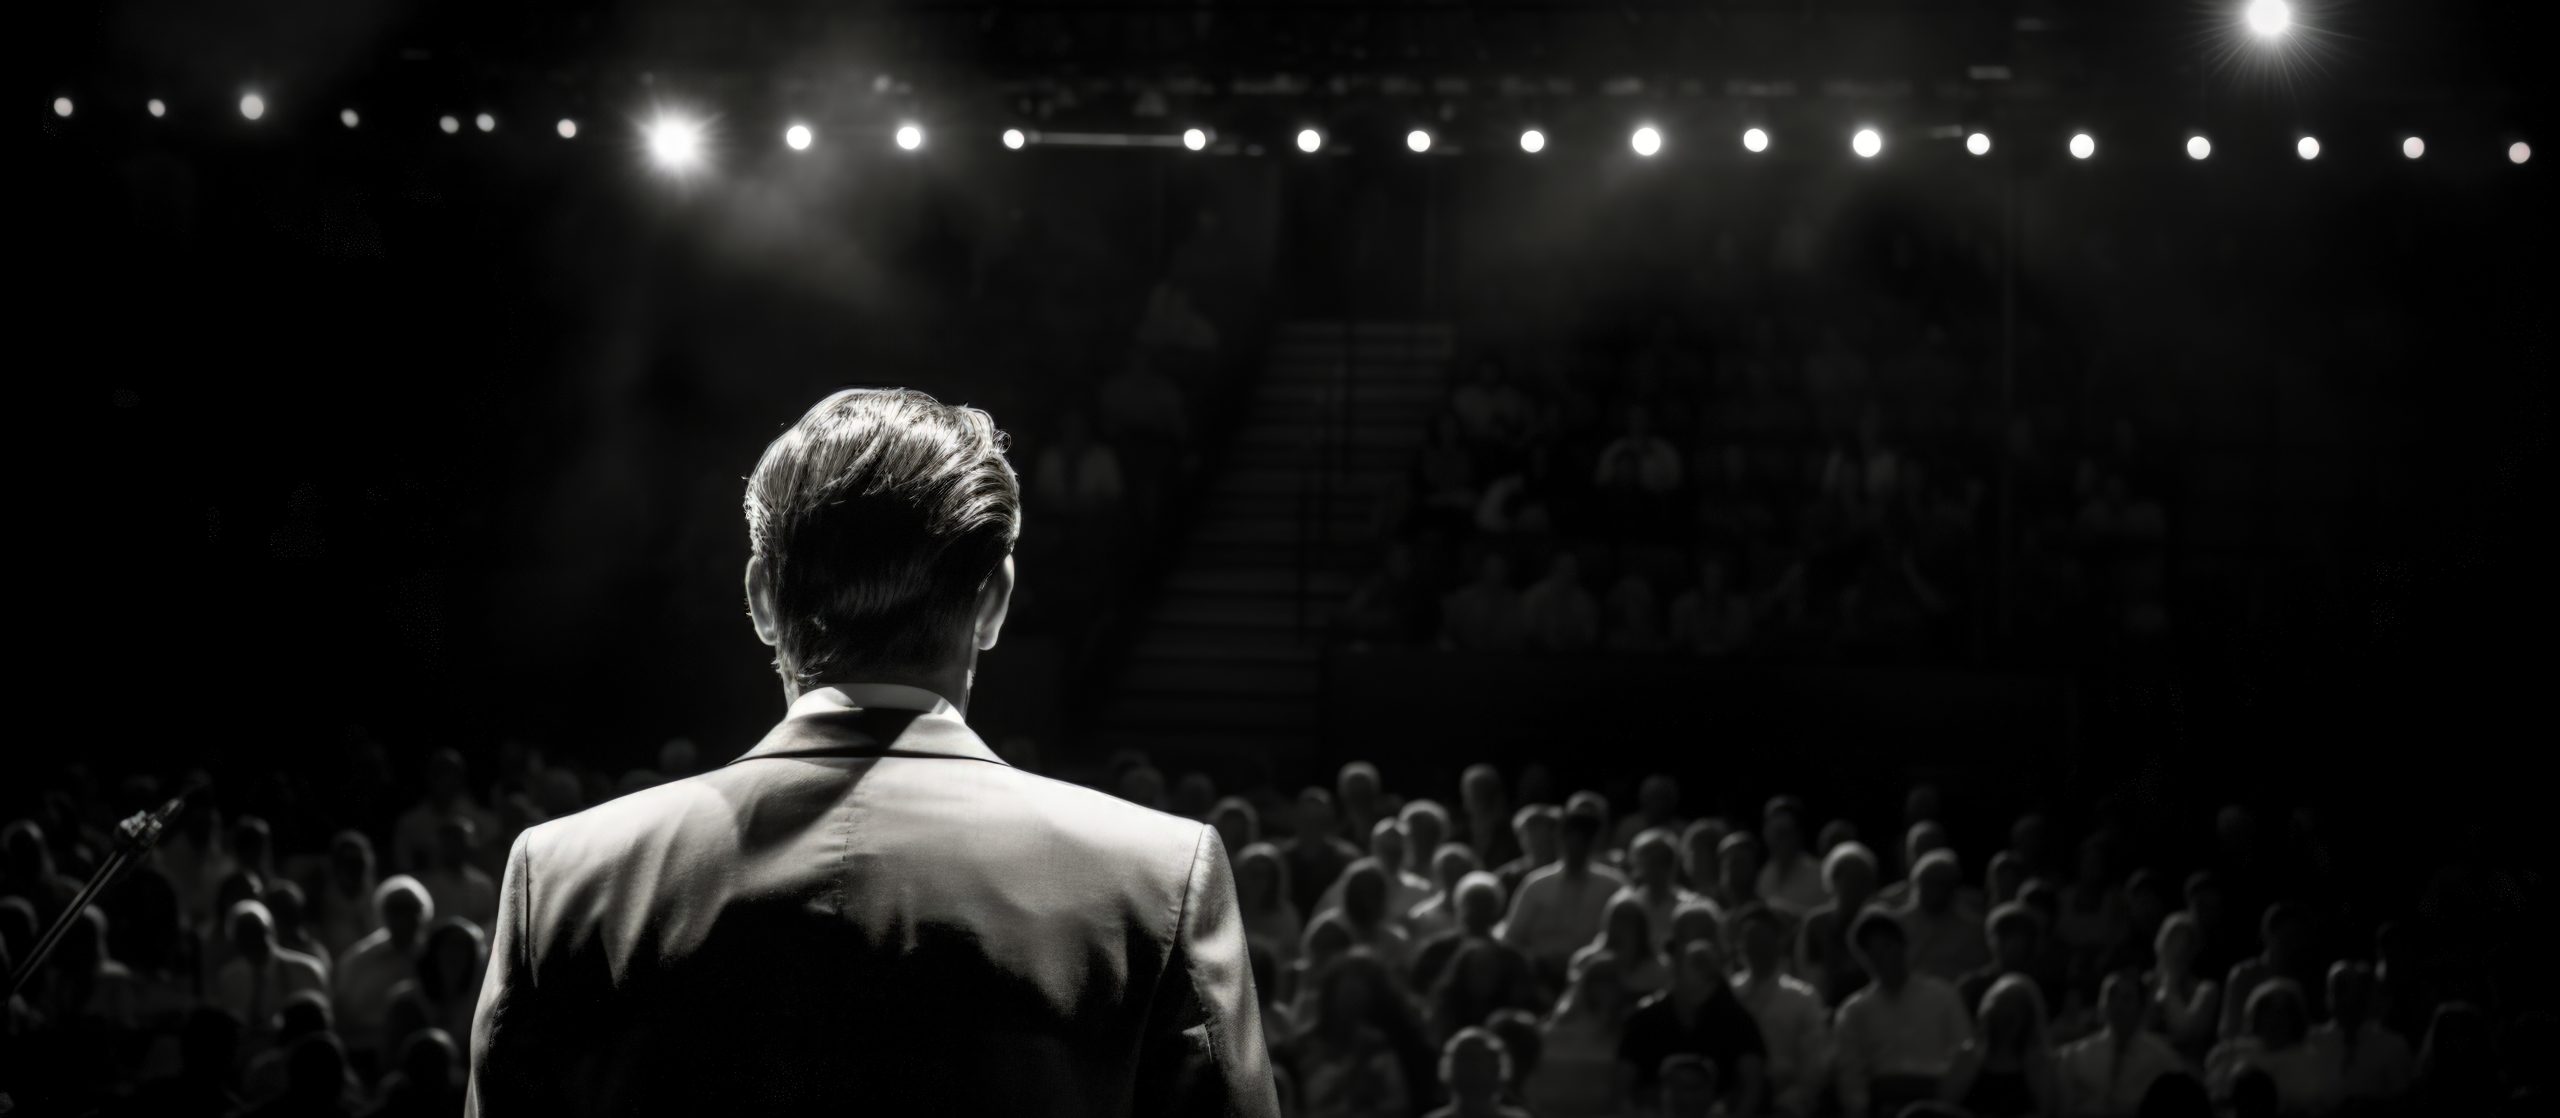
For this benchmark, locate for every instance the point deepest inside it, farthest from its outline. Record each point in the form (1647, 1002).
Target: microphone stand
(135, 838)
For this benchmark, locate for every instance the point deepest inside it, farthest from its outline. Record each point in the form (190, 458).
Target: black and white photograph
(1284, 559)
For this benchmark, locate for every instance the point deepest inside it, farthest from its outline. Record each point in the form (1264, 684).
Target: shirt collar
(836, 718)
(871, 696)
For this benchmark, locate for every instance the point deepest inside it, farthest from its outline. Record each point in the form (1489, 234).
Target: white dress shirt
(1793, 1028)
(1916, 1032)
(1555, 915)
(2098, 1082)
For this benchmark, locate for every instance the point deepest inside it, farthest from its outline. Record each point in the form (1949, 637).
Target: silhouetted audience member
(1475, 1067)
(2376, 1064)
(206, 1083)
(1480, 908)
(1698, 1015)
(260, 975)
(1538, 833)
(342, 911)
(1894, 1039)
(1577, 1068)
(414, 840)
(1794, 1025)
(316, 1076)
(381, 962)
(1946, 933)
(2109, 1073)
(2307, 1077)
(1316, 853)
(1823, 954)
(1559, 908)
(428, 1081)
(2006, 1069)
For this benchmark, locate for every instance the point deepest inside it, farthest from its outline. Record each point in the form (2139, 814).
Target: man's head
(1655, 858)
(253, 931)
(1452, 864)
(1764, 938)
(1538, 826)
(1659, 797)
(2016, 931)
(1479, 903)
(1738, 863)
(2122, 1003)
(1695, 919)
(351, 860)
(2284, 928)
(1850, 871)
(1386, 844)
(1475, 1065)
(1883, 946)
(403, 907)
(1935, 879)
(1364, 893)
(882, 527)
(1317, 816)
(2350, 992)
(1922, 838)
(1480, 789)
(1698, 846)
(1426, 826)
(1782, 826)
(1358, 785)
(1579, 836)
(445, 775)
(1700, 968)
(457, 840)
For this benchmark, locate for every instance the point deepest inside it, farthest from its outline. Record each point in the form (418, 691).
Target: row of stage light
(677, 142)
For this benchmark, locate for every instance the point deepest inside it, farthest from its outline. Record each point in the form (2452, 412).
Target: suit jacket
(869, 912)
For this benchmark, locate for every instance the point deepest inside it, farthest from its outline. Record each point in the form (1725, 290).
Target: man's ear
(995, 596)
(760, 609)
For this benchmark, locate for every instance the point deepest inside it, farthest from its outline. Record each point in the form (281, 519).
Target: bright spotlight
(253, 106)
(1866, 143)
(1013, 138)
(349, 118)
(675, 142)
(2518, 152)
(2083, 145)
(1755, 140)
(448, 125)
(910, 137)
(158, 108)
(797, 137)
(1418, 140)
(1195, 139)
(1646, 141)
(2269, 17)
(1533, 141)
(1309, 140)
(485, 122)
(62, 106)
(567, 128)
(1979, 143)
(2198, 147)
(2307, 147)
(2413, 147)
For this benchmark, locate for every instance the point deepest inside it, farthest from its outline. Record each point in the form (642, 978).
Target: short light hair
(400, 883)
(879, 516)
(1847, 854)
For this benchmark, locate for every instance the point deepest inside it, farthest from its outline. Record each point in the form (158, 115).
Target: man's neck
(951, 685)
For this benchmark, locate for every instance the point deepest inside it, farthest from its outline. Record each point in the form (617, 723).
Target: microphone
(139, 833)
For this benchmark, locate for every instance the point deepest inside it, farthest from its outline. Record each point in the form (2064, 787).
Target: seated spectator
(1364, 913)
(1262, 901)
(2306, 1076)
(1557, 613)
(2093, 920)
(1823, 956)
(1404, 888)
(1577, 1070)
(1833, 835)
(456, 881)
(418, 835)
(1316, 854)
(2108, 1074)
(315, 1082)
(1537, 830)
(2457, 1064)
(1482, 979)
(2002, 877)
(1363, 796)
(1689, 1087)
(1700, 865)
(254, 984)
(2015, 933)
(1653, 869)
(2285, 931)
(381, 962)
(1791, 882)
(1437, 915)
(1895, 1039)
(1484, 817)
(428, 1081)
(1945, 934)
(1518, 1030)
(1739, 860)
(2378, 1064)
(1475, 1067)
(1794, 1025)
(343, 911)
(87, 989)
(1349, 1054)
(1559, 908)
(1626, 934)
(1657, 807)
(1693, 921)
(2006, 1069)
(1698, 1015)
(1238, 824)
(1485, 615)
(450, 965)
(304, 1014)
(2144, 901)
(1479, 913)
(1638, 461)
(1425, 826)
(284, 902)
(1711, 618)
(1919, 841)
(2186, 1006)
(1328, 939)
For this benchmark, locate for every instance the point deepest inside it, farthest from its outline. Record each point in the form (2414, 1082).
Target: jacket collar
(828, 723)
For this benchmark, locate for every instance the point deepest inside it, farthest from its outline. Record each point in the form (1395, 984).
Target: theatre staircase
(1224, 673)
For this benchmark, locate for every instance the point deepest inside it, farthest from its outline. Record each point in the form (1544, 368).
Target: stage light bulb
(675, 142)
(2413, 147)
(1979, 143)
(348, 118)
(1646, 141)
(1309, 140)
(2083, 145)
(1418, 140)
(2308, 148)
(62, 106)
(1195, 139)
(1014, 139)
(798, 137)
(2518, 152)
(1533, 141)
(2270, 17)
(910, 137)
(1755, 140)
(485, 122)
(2198, 147)
(1866, 143)
(567, 128)
(253, 106)
(158, 107)
(448, 124)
